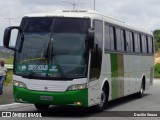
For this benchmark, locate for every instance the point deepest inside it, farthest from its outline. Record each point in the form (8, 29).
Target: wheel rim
(103, 99)
(142, 90)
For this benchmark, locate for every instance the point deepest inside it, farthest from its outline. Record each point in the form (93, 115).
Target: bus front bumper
(76, 98)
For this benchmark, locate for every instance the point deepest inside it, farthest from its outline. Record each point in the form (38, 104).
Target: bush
(157, 70)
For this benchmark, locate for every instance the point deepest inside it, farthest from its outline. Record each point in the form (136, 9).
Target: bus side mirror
(90, 38)
(7, 35)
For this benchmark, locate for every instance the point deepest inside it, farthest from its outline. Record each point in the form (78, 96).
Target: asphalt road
(150, 102)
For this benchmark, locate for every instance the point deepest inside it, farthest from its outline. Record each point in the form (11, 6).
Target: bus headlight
(77, 86)
(19, 84)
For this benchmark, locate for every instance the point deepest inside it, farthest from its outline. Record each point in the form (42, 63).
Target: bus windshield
(53, 48)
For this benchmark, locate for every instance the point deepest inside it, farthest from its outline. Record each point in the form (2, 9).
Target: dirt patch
(7, 96)
(157, 58)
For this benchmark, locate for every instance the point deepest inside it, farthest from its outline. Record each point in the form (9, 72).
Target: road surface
(150, 102)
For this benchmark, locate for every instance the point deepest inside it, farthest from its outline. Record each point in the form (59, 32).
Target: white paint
(87, 14)
(12, 104)
(52, 85)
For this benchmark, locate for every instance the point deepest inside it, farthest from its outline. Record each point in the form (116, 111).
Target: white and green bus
(79, 58)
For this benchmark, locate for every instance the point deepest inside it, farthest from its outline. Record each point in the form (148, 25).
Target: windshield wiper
(46, 57)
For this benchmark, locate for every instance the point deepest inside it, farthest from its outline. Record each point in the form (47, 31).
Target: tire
(141, 93)
(103, 102)
(41, 107)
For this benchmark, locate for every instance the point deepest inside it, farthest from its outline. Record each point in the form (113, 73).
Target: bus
(79, 58)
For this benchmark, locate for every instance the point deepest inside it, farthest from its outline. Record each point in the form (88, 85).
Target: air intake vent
(74, 11)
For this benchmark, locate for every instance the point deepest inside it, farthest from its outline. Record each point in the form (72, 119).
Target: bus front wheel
(103, 101)
(41, 107)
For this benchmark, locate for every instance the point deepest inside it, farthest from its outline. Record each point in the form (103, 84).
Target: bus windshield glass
(53, 48)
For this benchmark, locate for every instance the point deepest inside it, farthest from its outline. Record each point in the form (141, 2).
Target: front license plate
(50, 98)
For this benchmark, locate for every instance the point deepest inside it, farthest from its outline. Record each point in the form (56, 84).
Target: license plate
(50, 98)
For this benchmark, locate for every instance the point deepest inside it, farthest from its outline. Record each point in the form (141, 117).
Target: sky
(140, 13)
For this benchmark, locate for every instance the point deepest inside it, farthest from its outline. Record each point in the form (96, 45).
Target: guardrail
(9, 66)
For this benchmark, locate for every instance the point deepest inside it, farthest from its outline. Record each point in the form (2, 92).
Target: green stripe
(114, 75)
(117, 75)
(120, 75)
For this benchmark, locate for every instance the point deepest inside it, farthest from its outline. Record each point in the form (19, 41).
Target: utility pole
(94, 4)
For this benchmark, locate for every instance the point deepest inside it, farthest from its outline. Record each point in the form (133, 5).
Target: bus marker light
(77, 103)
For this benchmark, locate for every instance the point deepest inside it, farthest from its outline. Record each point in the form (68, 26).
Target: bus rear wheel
(41, 107)
(141, 93)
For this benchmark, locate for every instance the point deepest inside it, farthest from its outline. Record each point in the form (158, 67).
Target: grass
(8, 81)
(156, 74)
(9, 60)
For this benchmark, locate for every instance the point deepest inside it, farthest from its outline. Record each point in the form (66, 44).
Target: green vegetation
(8, 81)
(157, 40)
(9, 60)
(157, 50)
(157, 70)
(9, 72)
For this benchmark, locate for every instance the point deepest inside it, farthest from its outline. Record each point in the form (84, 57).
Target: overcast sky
(140, 13)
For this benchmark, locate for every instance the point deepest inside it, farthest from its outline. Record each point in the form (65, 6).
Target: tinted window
(147, 44)
(111, 32)
(131, 41)
(96, 58)
(144, 47)
(118, 39)
(139, 43)
(136, 43)
(107, 38)
(71, 25)
(127, 41)
(35, 25)
(150, 44)
(123, 40)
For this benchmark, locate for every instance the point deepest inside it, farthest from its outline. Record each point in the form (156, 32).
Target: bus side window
(147, 43)
(107, 38)
(150, 44)
(131, 41)
(111, 33)
(144, 47)
(123, 40)
(136, 45)
(118, 39)
(127, 41)
(139, 44)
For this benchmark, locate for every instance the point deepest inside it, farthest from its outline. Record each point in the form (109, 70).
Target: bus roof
(89, 14)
